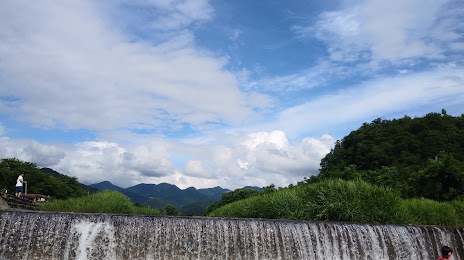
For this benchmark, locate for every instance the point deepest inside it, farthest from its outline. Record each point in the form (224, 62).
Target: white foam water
(89, 234)
(46, 235)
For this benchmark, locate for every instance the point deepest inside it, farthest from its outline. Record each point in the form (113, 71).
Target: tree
(170, 210)
(441, 179)
(269, 189)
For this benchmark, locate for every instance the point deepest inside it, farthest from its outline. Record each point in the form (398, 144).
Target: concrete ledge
(19, 203)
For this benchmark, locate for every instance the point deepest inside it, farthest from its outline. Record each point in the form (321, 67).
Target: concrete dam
(51, 235)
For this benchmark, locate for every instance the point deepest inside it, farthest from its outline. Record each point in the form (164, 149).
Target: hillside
(106, 185)
(401, 142)
(420, 157)
(56, 174)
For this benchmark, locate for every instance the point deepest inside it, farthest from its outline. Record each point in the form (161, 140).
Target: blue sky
(205, 93)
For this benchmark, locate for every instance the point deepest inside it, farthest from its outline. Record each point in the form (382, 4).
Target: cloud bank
(258, 159)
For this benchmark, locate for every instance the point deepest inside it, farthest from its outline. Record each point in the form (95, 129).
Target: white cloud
(269, 157)
(98, 161)
(31, 151)
(194, 168)
(315, 76)
(265, 158)
(400, 29)
(63, 63)
(374, 98)
(94, 162)
(272, 153)
(388, 30)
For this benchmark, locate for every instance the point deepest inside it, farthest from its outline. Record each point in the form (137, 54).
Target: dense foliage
(38, 182)
(338, 200)
(102, 202)
(420, 157)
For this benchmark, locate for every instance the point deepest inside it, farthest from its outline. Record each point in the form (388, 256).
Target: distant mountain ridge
(193, 200)
(190, 201)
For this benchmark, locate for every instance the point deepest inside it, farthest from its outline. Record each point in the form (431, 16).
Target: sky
(216, 93)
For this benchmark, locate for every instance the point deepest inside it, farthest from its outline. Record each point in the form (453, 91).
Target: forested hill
(59, 175)
(39, 181)
(421, 157)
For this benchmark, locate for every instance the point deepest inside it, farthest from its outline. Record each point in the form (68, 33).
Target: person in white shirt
(19, 185)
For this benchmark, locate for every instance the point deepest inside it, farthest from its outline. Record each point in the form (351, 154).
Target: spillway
(51, 235)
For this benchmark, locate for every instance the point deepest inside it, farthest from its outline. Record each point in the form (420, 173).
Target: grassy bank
(102, 202)
(352, 201)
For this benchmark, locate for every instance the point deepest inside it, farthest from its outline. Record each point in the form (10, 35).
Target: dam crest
(51, 235)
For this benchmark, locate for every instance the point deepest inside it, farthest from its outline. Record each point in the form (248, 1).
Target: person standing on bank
(19, 185)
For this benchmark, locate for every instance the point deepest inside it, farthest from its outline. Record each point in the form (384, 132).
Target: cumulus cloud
(94, 162)
(99, 161)
(258, 159)
(263, 158)
(31, 151)
(272, 153)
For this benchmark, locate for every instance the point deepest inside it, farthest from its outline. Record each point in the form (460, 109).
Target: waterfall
(51, 235)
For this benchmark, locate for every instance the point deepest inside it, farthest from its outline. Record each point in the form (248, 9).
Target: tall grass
(333, 200)
(354, 201)
(429, 212)
(102, 202)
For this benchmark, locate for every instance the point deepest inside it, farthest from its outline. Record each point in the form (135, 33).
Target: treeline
(419, 157)
(61, 187)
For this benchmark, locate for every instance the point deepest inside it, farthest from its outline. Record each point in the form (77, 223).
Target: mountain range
(190, 201)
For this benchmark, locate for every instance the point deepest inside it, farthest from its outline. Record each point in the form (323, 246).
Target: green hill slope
(420, 157)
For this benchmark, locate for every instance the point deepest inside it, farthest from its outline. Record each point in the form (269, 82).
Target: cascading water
(46, 235)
